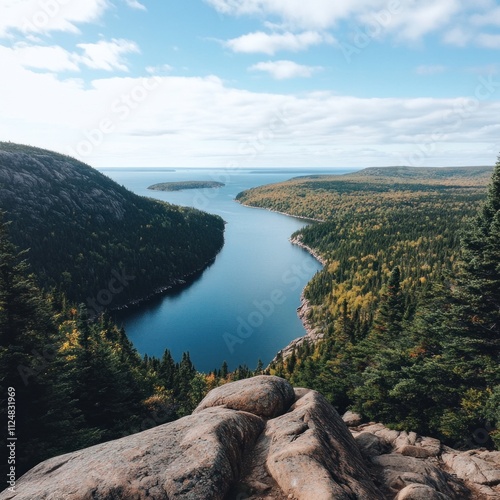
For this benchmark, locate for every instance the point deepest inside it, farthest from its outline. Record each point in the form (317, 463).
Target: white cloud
(35, 16)
(414, 18)
(423, 17)
(458, 36)
(103, 55)
(405, 20)
(134, 4)
(162, 68)
(487, 69)
(430, 69)
(317, 14)
(488, 18)
(107, 55)
(488, 41)
(180, 121)
(52, 58)
(270, 43)
(282, 70)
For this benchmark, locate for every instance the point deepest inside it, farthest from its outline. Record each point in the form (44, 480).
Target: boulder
(312, 455)
(196, 457)
(409, 450)
(420, 492)
(265, 396)
(479, 469)
(370, 445)
(398, 471)
(432, 445)
(352, 419)
(260, 439)
(474, 467)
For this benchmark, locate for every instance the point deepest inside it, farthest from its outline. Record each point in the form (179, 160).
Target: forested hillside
(409, 338)
(84, 231)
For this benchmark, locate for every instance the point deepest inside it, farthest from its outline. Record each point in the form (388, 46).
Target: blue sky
(253, 83)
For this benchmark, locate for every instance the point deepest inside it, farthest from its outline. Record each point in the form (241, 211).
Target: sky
(253, 83)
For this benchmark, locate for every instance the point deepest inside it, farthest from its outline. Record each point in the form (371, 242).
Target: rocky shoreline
(312, 335)
(297, 241)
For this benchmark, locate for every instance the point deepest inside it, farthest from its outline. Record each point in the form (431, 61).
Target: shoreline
(297, 241)
(176, 282)
(281, 213)
(312, 335)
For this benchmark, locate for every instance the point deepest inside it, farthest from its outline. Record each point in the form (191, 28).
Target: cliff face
(261, 439)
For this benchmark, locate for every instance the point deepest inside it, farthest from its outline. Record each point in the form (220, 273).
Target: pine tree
(259, 368)
(224, 370)
(388, 321)
(478, 286)
(167, 371)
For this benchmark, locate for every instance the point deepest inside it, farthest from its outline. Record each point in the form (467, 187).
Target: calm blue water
(243, 307)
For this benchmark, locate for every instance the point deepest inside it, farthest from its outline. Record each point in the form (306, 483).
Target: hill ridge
(81, 227)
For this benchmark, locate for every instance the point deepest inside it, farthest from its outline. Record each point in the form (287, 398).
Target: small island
(179, 186)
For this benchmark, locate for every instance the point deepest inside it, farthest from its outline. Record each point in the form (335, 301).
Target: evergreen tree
(478, 287)
(259, 368)
(167, 371)
(224, 370)
(388, 322)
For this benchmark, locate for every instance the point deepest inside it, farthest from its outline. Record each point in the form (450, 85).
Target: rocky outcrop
(298, 241)
(247, 438)
(311, 456)
(266, 397)
(259, 439)
(479, 469)
(407, 466)
(193, 458)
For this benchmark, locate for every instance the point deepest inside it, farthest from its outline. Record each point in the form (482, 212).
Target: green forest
(408, 300)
